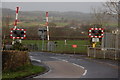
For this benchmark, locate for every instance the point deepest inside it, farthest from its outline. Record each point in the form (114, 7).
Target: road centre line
(73, 64)
(78, 65)
(59, 59)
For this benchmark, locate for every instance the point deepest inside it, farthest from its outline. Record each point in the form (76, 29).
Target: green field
(61, 47)
(61, 24)
(34, 24)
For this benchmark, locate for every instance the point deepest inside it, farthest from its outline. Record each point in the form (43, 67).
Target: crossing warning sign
(96, 32)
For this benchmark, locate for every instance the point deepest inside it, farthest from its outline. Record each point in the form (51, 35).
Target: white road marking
(73, 64)
(85, 73)
(65, 60)
(31, 57)
(36, 60)
(78, 65)
(59, 59)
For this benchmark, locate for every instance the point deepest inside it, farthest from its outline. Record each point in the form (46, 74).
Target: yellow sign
(94, 45)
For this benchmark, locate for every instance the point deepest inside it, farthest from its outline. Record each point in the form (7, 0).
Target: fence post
(88, 52)
(115, 56)
(104, 54)
(94, 53)
(38, 46)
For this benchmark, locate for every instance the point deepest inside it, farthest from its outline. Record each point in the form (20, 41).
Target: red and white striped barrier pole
(16, 19)
(15, 23)
(48, 48)
(47, 26)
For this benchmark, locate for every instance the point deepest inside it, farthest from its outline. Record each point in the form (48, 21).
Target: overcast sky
(54, 0)
(53, 6)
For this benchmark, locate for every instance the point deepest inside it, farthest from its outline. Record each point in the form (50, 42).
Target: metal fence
(103, 53)
(58, 48)
(110, 47)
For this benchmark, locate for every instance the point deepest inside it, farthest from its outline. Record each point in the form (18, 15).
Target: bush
(12, 59)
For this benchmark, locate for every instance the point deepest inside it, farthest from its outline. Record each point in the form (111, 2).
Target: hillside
(54, 16)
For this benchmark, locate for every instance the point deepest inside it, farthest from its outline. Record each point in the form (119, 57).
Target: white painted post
(65, 42)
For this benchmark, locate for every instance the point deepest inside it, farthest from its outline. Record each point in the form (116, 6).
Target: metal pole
(116, 46)
(43, 40)
(94, 53)
(104, 54)
(47, 30)
(88, 51)
(102, 46)
(74, 51)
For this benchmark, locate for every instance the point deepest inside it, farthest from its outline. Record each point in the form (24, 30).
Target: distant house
(116, 31)
(73, 27)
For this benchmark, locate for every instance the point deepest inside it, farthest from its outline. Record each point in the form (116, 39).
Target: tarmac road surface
(75, 66)
(62, 69)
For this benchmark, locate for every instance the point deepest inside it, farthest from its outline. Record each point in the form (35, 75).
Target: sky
(54, 0)
(53, 6)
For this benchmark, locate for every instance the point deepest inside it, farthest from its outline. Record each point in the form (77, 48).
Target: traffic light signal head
(96, 32)
(18, 33)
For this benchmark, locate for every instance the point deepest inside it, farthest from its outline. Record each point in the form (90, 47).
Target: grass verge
(22, 71)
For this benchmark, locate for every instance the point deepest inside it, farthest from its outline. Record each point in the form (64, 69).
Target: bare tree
(112, 8)
(100, 16)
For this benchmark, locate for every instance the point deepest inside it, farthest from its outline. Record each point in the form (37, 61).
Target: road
(75, 66)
